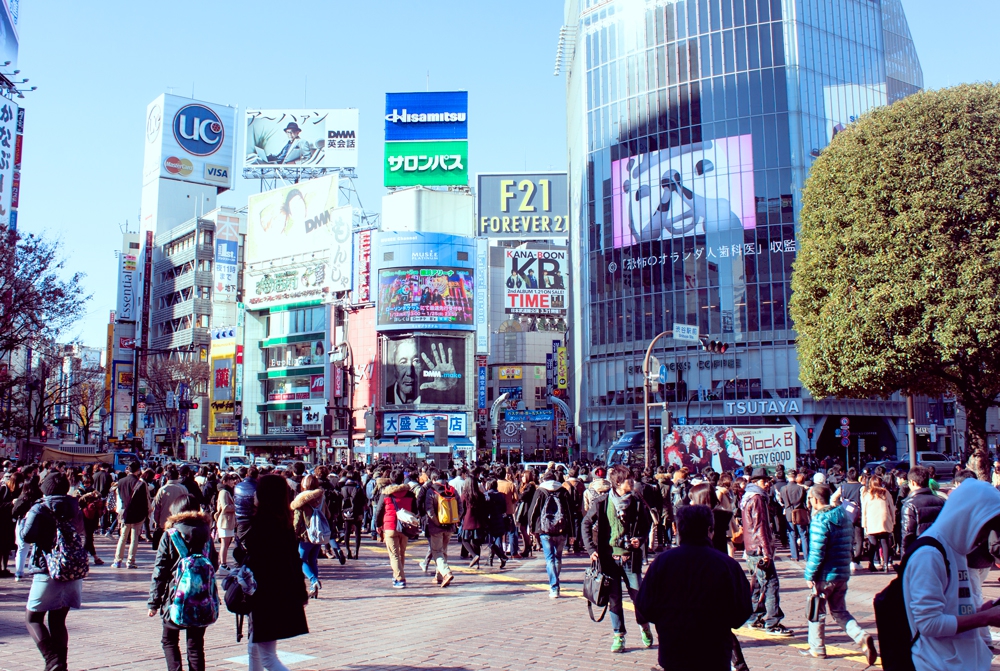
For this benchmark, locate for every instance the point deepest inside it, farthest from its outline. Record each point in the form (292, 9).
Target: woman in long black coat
(272, 553)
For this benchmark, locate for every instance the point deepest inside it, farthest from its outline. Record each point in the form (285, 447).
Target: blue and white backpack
(195, 598)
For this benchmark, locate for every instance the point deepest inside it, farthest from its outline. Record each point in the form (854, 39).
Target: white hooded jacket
(935, 598)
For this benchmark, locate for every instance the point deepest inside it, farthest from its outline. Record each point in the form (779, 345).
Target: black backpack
(554, 518)
(894, 637)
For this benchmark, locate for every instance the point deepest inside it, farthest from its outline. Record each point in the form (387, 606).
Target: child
(194, 529)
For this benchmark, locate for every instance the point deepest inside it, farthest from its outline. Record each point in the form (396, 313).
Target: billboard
(127, 284)
(425, 295)
(190, 141)
(301, 138)
(422, 423)
(695, 189)
(426, 163)
(422, 370)
(8, 142)
(301, 221)
(226, 269)
(535, 281)
(430, 115)
(523, 206)
(727, 448)
(9, 32)
(362, 292)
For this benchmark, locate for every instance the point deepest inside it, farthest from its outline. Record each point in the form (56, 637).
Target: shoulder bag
(596, 590)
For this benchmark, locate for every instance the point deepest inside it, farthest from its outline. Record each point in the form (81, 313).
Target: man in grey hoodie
(550, 518)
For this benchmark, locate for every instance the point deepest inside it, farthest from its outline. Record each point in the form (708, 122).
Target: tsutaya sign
(790, 406)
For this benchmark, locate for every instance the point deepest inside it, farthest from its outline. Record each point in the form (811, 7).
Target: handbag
(596, 590)
(799, 517)
(814, 608)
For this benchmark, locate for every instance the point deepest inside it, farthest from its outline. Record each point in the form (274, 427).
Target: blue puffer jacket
(829, 546)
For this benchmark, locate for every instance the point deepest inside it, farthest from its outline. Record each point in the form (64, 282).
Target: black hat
(292, 126)
(55, 483)
(759, 473)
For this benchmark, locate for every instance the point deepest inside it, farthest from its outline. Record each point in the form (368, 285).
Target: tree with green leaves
(896, 285)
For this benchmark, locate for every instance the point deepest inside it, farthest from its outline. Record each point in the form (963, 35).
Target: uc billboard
(190, 141)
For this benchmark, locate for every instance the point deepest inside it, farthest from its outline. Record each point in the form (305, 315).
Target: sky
(98, 65)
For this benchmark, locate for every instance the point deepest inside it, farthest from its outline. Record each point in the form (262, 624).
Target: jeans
(264, 657)
(836, 598)
(621, 571)
(802, 532)
(552, 548)
(512, 536)
(439, 552)
(171, 642)
(395, 543)
(857, 544)
(129, 536)
(309, 554)
(21, 556)
(765, 598)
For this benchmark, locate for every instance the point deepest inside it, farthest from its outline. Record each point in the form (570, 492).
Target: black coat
(920, 509)
(694, 616)
(195, 529)
(279, 602)
(637, 522)
(354, 499)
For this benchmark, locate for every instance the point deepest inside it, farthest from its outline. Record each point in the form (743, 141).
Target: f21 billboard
(535, 281)
(523, 206)
(190, 141)
(424, 370)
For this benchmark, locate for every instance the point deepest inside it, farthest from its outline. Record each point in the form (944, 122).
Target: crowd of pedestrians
(667, 538)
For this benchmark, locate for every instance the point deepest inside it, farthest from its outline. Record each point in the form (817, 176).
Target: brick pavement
(487, 619)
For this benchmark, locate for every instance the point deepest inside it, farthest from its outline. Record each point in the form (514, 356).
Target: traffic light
(715, 346)
(810, 430)
(328, 425)
(43, 434)
(186, 405)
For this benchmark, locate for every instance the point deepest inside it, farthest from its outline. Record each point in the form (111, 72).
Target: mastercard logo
(178, 166)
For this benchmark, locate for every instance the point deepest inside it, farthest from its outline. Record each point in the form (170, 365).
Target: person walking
(851, 491)
(759, 550)
(355, 501)
(395, 496)
(225, 516)
(270, 551)
(621, 520)
(134, 497)
(794, 498)
(307, 503)
(10, 489)
(508, 487)
(549, 519)
(93, 507)
(920, 508)
(164, 499)
(878, 517)
(54, 519)
(828, 570)
(30, 494)
(525, 495)
(438, 532)
(474, 518)
(188, 528)
(695, 616)
(496, 512)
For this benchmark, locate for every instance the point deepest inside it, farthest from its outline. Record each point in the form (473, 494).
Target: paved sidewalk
(487, 619)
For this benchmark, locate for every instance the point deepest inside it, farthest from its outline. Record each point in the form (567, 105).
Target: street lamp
(645, 397)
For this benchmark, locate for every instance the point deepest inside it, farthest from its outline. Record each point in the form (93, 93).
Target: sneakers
(618, 643)
(131, 564)
(647, 637)
(779, 630)
(554, 593)
(758, 623)
(398, 584)
(855, 567)
(868, 647)
(341, 557)
(810, 653)
(423, 566)
(447, 580)
(116, 564)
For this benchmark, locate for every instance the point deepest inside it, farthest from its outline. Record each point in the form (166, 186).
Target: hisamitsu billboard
(431, 115)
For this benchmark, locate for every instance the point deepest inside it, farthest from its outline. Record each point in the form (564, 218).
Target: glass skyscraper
(692, 127)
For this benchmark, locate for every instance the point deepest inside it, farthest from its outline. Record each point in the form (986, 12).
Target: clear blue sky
(97, 66)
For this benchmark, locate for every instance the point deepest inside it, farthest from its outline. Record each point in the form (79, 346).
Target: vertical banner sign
(338, 382)
(238, 374)
(8, 139)
(562, 369)
(363, 268)
(482, 278)
(227, 244)
(482, 387)
(107, 369)
(126, 289)
(15, 196)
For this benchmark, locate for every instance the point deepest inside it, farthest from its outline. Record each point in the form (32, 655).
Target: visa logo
(217, 173)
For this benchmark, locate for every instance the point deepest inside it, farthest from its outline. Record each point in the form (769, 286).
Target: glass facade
(692, 127)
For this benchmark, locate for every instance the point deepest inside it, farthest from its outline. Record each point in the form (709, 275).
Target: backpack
(406, 522)
(318, 530)
(553, 520)
(195, 598)
(68, 560)
(895, 639)
(447, 506)
(852, 509)
(94, 509)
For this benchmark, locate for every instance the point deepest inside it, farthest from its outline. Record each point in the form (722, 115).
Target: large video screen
(425, 296)
(425, 370)
(695, 189)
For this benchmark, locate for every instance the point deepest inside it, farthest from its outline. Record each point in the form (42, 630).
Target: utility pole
(645, 396)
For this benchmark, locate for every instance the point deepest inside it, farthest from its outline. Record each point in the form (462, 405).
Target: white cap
(819, 479)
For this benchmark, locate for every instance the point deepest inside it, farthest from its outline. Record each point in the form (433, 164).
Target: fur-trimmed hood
(188, 518)
(662, 478)
(600, 485)
(312, 497)
(392, 489)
